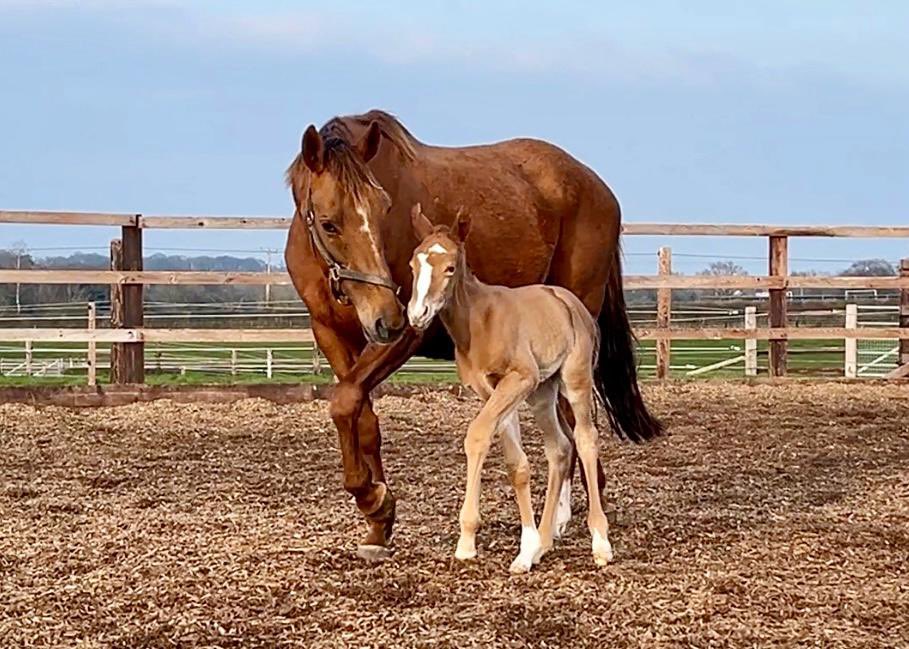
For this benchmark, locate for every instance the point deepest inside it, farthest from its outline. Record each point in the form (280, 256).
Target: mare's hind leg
(519, 472)
(511, 390)
(577, 382)
(558, 449)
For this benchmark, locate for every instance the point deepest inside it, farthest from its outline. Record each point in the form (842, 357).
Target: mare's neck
(457, 312)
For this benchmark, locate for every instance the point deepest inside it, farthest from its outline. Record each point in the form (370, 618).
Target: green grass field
(196, 364)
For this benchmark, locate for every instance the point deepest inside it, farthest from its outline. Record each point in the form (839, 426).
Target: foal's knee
(478, 438)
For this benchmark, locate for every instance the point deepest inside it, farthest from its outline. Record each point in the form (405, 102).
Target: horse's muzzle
(385, 333)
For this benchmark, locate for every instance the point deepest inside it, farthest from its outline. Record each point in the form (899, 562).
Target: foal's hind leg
(578, 387)
(519, 472)
(558, 449)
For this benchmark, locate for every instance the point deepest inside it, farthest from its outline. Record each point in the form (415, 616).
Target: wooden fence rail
(127, 278)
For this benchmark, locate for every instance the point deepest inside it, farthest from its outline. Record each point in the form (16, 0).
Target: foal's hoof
(602, 550)
(374, 552)
(520, 565)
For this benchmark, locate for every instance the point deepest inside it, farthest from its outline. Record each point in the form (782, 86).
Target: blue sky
(764, 112)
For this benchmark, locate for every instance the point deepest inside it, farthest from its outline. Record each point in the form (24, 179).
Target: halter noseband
(338, 272)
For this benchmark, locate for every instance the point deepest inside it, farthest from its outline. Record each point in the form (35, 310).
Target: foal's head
(345, 208)
(437, 263)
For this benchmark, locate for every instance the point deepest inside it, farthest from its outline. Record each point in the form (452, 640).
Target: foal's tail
(615, 375)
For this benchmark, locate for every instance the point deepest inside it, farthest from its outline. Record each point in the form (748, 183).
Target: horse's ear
(422, 226)
(313, 150)
(368, 146)
(460, 227)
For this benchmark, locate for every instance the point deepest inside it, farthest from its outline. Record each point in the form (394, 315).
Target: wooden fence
(127, 279)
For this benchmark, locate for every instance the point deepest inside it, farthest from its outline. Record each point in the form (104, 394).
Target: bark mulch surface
(772, 515)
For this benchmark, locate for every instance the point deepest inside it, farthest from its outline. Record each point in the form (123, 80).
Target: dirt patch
(771, 515)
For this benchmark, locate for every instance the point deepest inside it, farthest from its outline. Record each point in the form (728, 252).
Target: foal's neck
(465, 290)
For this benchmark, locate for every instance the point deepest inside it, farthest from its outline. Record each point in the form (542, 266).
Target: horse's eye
(450, 270)
(330, 228)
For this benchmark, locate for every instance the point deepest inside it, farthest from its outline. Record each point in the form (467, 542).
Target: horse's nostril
(381, 329)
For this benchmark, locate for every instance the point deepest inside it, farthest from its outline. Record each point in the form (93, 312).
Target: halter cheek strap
(338, 272)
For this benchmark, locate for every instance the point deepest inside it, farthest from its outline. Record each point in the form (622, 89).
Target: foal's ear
(368, 146)
(422, 226)
(313, 150)
(460, 227)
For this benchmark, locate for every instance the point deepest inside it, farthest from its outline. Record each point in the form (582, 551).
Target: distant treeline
(53, 293)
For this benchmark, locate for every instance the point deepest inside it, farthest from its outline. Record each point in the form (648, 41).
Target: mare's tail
(615, 375)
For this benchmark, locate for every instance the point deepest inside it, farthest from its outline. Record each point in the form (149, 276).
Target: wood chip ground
(772, 516)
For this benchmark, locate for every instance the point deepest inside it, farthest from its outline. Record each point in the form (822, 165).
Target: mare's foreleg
(358, 428)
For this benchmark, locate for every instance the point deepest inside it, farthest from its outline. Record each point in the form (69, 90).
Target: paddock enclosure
(771, 515)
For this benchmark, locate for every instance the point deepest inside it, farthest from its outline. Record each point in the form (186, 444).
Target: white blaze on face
(422, 283)
(363, 212)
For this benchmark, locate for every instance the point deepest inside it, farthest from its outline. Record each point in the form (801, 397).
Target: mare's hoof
(374, 552)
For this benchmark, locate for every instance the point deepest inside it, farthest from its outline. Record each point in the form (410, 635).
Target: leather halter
(338, 272)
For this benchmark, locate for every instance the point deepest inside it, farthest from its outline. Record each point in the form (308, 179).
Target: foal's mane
(342, 160)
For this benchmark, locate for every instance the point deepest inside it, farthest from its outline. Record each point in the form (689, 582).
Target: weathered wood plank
(122, 277)
(305, 335)
(631, 282)
(214, 223)
(735, 230)
(136, 335)
(67, 218)
(767, 333)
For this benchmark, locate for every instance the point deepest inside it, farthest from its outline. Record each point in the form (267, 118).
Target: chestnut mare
(530, 343)
(538, 216)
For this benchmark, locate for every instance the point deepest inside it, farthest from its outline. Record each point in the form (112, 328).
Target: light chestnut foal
(513, 344)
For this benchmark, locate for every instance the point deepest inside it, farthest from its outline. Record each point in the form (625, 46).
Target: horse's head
(345, 207)
(437, 263)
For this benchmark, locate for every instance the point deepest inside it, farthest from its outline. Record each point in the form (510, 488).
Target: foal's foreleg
(508, 394)
(519, 472)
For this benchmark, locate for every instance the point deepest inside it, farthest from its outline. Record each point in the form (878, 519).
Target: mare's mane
(342, 160)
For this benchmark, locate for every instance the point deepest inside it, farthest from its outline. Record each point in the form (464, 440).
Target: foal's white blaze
(531, 548)
(424, 280)
(602, 549)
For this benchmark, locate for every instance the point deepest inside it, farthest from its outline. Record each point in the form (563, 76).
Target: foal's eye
(330, 228)
(450, 270)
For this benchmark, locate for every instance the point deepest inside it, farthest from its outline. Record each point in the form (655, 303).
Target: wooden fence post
(92, 347)
(316, 359)
(751, 364)
(851, 357)
(28, 358)
(664, 314)
(127, 359)
(233, 362)
(269, 359)
(779, 267)
(904, 314)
